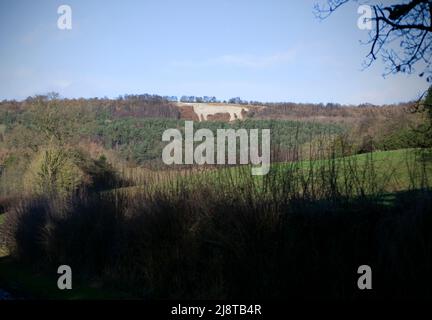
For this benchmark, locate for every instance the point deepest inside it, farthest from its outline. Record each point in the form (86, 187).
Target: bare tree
(401, 34)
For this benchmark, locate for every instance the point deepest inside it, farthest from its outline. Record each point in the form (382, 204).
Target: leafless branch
(402, 35)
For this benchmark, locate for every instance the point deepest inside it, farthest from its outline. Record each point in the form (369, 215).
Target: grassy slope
(395, 170)
(392, 171)
(398, 169)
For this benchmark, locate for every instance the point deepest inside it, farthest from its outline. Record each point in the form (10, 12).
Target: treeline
(132, 125)
(139, 140)
(211, 99)
(305, 110)
(145, 105)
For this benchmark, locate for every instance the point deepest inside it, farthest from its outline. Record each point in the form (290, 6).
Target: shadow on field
(228, 247)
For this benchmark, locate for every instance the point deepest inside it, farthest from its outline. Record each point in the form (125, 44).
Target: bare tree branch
(402, 35)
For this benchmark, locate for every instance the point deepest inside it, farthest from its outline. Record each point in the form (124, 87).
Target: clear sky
(267, 50)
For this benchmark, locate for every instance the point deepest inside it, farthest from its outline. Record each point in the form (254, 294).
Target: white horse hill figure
(203, 110)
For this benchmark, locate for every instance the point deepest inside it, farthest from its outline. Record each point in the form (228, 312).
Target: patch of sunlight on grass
(4, 252)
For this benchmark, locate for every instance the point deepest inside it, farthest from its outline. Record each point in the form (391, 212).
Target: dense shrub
(420, 137)
(54, 170)
(63, 171)
(232, 236)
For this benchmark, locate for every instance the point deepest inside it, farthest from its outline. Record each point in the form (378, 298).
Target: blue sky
(259, 50)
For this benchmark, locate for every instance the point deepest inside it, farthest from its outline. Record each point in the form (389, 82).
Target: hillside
(82, 181)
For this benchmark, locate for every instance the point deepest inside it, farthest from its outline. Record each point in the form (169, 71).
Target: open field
(381, 171)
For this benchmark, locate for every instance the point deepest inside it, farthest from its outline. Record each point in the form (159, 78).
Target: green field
(371, 173)
(395, 170)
